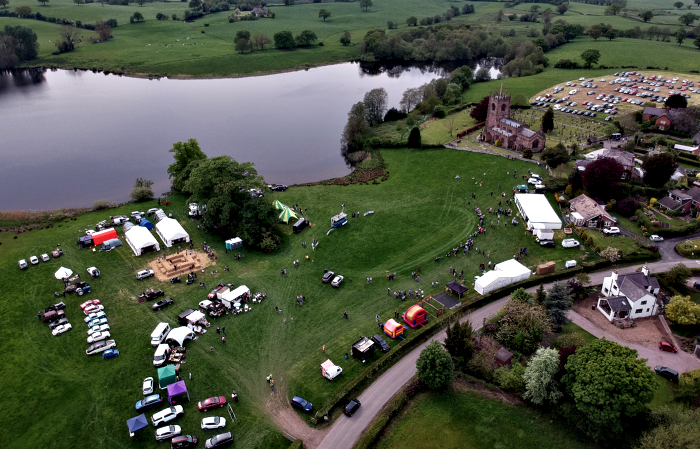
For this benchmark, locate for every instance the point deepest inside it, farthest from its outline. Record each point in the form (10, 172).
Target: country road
(345, 431)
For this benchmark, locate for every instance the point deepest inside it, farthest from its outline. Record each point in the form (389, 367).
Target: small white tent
(139, 238)
(504, 273)
(171, 232)
(62, 273)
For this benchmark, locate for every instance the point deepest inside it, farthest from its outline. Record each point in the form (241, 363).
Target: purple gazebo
(177, 389)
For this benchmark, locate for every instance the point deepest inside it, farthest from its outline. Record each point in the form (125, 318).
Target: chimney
(645, 270)
(614, 275)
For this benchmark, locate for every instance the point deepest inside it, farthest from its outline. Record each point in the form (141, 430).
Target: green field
(420, 214)
(466, 420)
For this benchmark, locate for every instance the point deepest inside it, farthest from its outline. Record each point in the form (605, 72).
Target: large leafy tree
(376, 103)
(142, 190)
(676, 101)
(306, 38)
(602, 176)
(23, 44)
(284, 39)
(557, 302)
(355, 129)
(458, 342)
(555, 156)
(590, 57)
(682, 310)
(609, 385)
(540, 377)
(676, 428)
(548, 120)
(678, 274)
(658, 169)
(187, 155)
(435, 367)
(688, 121)
(463, 77)
(481, 110)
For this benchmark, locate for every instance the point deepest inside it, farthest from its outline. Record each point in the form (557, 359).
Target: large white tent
(170, 232)
(139, 238)
(504, 273)
(536, 210)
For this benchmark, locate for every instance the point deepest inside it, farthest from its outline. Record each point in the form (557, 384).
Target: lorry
(233, 296)
(329, 370)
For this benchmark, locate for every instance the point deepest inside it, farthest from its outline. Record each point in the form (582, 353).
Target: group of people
(413, 294)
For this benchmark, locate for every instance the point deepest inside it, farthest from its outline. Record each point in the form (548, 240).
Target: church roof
(509, 122)
(527, 132)
(502, 132)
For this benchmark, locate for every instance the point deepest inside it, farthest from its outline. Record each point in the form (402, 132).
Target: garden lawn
(571, 328)
(419, 214)
(625, 244)
(627, 224)
(664, 393)
(466, 420)
(691, 253)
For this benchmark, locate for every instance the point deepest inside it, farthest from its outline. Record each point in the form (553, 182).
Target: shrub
(527, 153)
(511, 379)
(100, 204)
(568, 340)
(597, 249)
(589, 240)
(497, 142)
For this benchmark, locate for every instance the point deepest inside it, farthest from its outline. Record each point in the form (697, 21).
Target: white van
(159, 333)
(161, 355)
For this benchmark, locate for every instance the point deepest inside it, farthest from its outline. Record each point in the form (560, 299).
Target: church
(511, 133)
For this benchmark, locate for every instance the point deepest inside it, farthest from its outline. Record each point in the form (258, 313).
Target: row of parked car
(35, 260)
(98, 333)
(330, 276)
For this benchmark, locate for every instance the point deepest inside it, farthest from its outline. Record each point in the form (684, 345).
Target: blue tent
(137, 423)
(146, 224)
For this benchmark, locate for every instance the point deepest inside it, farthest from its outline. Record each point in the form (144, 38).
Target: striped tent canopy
(278, 205)
(286, 214)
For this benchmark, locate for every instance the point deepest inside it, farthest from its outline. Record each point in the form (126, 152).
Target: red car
(213, 293)
(210, 403)
(57, 253)
(666, 346)
(90, 302)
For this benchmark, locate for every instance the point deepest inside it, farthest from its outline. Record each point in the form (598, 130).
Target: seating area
(177, 264)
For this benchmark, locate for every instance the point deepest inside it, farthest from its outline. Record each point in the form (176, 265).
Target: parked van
(161, 355)
(159, 333)
(111, 244)
(300, 225)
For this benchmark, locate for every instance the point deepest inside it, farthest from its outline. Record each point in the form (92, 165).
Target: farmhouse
(662, 117)
(511, 133)
(629, 295)
(586, 213)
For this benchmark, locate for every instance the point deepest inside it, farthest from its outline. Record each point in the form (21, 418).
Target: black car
(666, 373)
(220, 440)
(279, 188)
(328, 276)
(547, 243)
(183, 442)
(150, 295)
(351, 407)
(162, 303)
(379, 341)
(60, 322)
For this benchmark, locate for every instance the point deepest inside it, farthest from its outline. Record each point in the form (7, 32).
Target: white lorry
(329, 370)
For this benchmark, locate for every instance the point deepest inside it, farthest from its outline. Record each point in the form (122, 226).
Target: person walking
(223, 339)
(345, 314)
(218, 331)
(388, 291)
(272, 385)
(376, 318)
(223, 329)
(38, 315)
(132, 266)
(323, 348)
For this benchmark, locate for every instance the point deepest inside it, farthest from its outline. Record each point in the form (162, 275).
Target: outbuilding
(535, 209)
(171, 232)
(140, 240)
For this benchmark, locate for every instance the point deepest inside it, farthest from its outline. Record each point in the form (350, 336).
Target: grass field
(571, 328)
(420, 213)
(626, 245)
(466, 420)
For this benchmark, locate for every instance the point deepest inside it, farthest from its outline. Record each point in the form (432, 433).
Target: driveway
(668, 251)
(345, 431)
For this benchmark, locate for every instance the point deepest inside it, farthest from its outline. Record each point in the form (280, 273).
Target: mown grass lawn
(466, 420)
(419, 214)
(625, 244)
(627, 224)
(571, 328)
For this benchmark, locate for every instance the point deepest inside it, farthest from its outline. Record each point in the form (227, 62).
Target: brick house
(512, 133)
(586, 213)
(681, 200)
(662, 117)
(625, 159)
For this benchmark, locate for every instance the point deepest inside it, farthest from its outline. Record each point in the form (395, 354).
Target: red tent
(415, 316)
(100, 237)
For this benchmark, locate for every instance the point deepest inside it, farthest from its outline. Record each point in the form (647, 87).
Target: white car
(166, 415)
(582, 79)
(94, 272)
(93, 309)
(98, 336)
(204, 304)
(534, 181)
(569, 243)
(143, 274)
(213, 422)
(100, 346)
(45, 257)
(337, 281)
(611, 231)
(22, 264)
(166, 432)
(34, 260)
(135, 213)
(101, 328)
(656, 238)
(147, 386)
(61, 329)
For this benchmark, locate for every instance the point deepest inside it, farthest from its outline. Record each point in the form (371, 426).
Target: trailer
(329, 370)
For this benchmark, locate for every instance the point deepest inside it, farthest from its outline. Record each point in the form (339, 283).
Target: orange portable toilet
(393, 329)
(415, 316)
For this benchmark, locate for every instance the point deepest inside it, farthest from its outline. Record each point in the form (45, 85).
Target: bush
(527, 153)
(597, 249)
(589, 240)
(511, 379)
(568, 340)
(101, 204)
(141, 193)
(634, 218)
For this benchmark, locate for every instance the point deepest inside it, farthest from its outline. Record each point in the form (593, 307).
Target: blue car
(110, 353)
(149, 402)
(92, 316)
(97, 322)
(301, 404)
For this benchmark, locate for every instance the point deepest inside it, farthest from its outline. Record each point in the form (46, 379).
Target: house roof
(669, 203)
(640, 279)
(623, 157)
(587, 208)
(632, 290)
(654, 111)
(619, 303)
(694, 193)
(680, 194)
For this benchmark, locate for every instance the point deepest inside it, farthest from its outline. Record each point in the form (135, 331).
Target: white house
(629, 295)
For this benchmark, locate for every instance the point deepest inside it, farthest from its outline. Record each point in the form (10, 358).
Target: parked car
(147, 386)
(351, 407)
(183, 442)
(56, 253)
(94, 272)
(166, 415)
(666, 373)
(656, 238)
(327, 276)
(162, 303)
(569, 264)
(110, 354)
(666, 346)
(45, 257)
(61, 329)
(611, 231)
(34, 260)
(93, 309)
(98, 336)
(213, 422)
(279, 188)
(337, 281)
(89, 303)
(150, 294)
(210, 403)
(94, 316)
(136, 213)
(301, 404)
(53, 315)
(100, 346)
(220, 440)
(212, 294)
(97, 322)
(22, 264)
(149, 402)
(60, 322)
(163, 433)
(143, 274)
(547, 243)
(383, 345)
(100, 328)
(569, 243)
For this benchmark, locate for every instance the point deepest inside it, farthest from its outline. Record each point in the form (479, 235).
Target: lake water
(68, 138)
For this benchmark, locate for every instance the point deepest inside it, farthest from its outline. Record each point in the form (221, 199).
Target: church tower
(499, 107)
